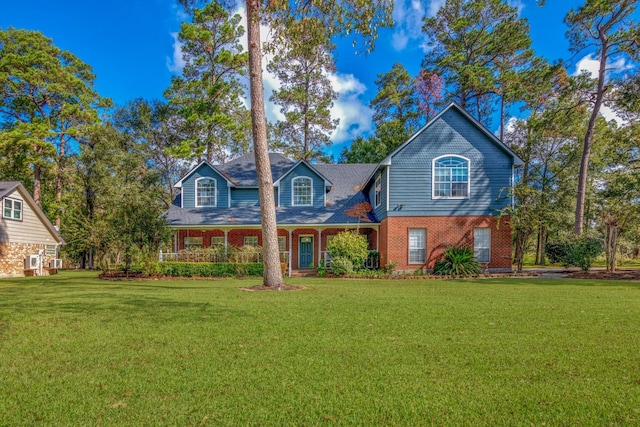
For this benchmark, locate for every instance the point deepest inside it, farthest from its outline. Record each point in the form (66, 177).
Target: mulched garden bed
(621, 274)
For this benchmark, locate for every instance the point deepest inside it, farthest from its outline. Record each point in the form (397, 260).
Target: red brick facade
(236, 237)
(441, 233)
(393, 243)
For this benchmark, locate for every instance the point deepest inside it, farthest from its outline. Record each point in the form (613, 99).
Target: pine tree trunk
(520, 240)
(272, 275)
(611, 243)
(588, 140)
(543, 244)
(37, 178)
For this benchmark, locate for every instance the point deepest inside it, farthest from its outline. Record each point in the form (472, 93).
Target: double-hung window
(482, 244)
(451, 178)
(12, 209)
(378, 189)
(302, 191)
(417, 245)
(205, 192)
(251, 241)
(193, 242)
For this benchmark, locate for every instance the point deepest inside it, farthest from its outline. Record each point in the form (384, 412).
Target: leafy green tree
(302, 63)
(606, 27)
(474, 44)
(396, 98)
(208, 94)
(156, 129)
(339, 17)
(387, 137)
(47, 100)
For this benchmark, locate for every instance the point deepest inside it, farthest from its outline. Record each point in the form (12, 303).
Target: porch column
(290, 249)
(226, 240)
(319, 245)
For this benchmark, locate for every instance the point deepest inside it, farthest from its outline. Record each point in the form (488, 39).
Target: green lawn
(75, 350)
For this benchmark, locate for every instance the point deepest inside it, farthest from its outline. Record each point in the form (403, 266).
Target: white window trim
(474, 243)
(433, 178)
(13, 209)
(244, 241)
(424, 231)
(377, 194)
(293, 196)
(215, 192)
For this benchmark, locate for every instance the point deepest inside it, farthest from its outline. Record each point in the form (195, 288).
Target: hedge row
(208, 269)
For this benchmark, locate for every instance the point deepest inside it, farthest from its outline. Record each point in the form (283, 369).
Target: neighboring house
(443, 187)
(28, 241)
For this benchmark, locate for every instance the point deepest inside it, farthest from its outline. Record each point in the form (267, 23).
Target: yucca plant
(457, 261)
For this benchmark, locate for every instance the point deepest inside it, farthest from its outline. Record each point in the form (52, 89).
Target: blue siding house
(442, 187)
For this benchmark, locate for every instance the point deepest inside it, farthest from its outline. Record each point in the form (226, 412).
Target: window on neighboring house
(192, 242)
(12, 209)
(302, 191)
(482, 244)
(378, 186)
(417, 245)
(451, 178)
(251, 241)
(205, 192)
(217, 241)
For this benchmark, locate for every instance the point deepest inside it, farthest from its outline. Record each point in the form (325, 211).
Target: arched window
(205, 192)
(450, 177)
(302, 191)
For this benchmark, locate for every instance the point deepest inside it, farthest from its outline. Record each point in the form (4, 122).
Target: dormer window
(302, 191)
(451, 178)
(205, 192)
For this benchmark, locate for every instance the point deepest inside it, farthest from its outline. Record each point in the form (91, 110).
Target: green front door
(305, 252)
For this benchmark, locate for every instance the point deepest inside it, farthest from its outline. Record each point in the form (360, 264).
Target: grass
(75, 350)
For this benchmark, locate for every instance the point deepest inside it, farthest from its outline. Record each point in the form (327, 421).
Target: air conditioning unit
(31, 262)
(56, 263)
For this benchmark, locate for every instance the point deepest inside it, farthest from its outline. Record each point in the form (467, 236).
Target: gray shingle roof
(347, 180)
(7, 187)
(242, 170)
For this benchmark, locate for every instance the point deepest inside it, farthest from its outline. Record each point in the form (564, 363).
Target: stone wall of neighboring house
(12, 256)
(442, 233)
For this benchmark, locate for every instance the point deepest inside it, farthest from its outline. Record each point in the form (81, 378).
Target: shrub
(205, 269)
(579, 252)
(457, 261)
(341, 266)
(349, 245)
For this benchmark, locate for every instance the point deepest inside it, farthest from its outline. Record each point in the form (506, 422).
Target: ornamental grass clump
(457, 261)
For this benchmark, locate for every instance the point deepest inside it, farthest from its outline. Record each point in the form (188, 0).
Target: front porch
(302, 249)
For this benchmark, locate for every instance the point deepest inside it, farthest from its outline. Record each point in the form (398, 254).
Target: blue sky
(132, 48)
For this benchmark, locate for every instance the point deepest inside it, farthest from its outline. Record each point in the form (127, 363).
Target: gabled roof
(9, 187)
(230, 182)
(517, 161)
(327, 182)
(243, 169)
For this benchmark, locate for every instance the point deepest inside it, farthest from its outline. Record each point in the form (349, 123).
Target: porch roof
(337, 214)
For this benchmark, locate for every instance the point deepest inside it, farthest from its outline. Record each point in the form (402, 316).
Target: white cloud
(354, 115)
(434, 7)
(518, 4)
(408, 16)
(176, 63)
(591, 65)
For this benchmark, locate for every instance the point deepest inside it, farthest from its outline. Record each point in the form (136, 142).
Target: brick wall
(441, 233)
(12, 257)
(236, 238)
